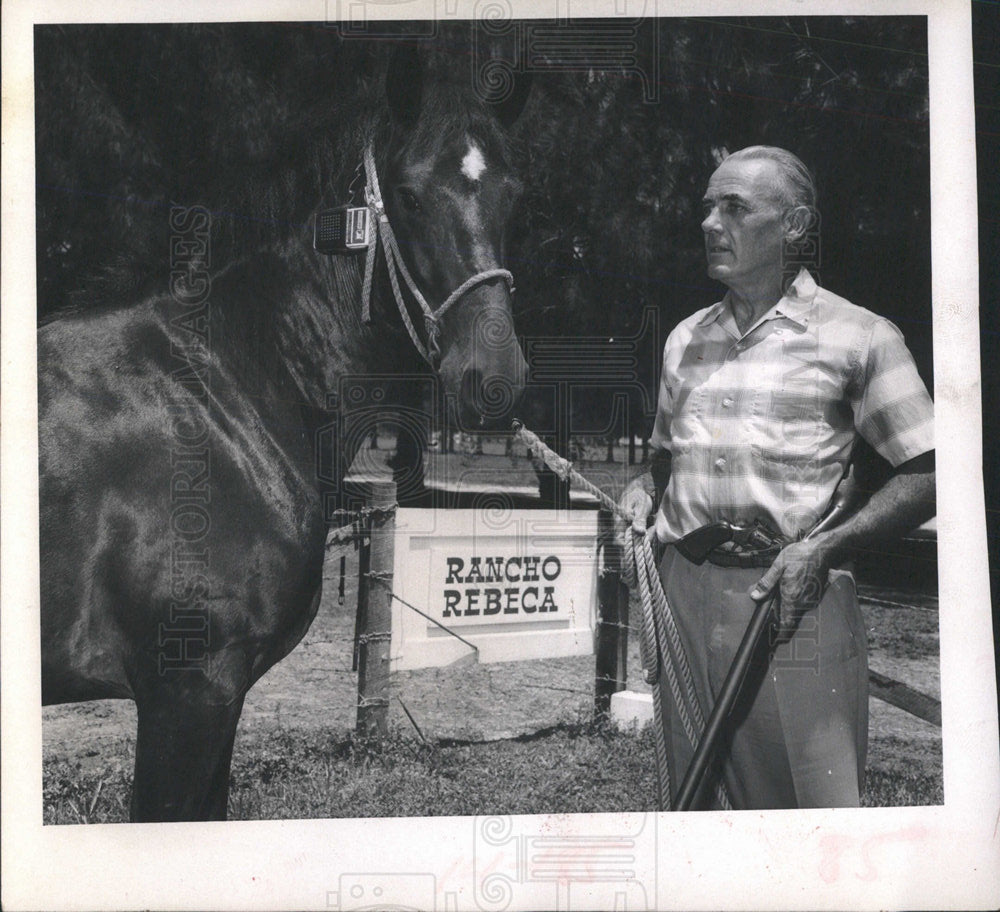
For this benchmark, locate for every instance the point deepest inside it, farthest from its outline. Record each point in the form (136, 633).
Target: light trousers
(798, 735)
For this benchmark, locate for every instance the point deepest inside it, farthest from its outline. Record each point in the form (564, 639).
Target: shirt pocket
(797, 420)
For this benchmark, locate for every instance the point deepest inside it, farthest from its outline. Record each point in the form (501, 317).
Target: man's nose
(710, 222)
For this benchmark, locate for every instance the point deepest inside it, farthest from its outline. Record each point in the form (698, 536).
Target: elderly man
(761, 398)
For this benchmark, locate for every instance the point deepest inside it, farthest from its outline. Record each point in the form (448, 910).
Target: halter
(431, 353)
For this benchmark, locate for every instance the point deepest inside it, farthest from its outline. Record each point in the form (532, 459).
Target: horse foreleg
(182, 756)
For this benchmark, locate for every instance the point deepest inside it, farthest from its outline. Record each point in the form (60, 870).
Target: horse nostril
(491, 397)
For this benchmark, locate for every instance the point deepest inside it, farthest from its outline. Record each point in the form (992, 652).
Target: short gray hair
(798, 179)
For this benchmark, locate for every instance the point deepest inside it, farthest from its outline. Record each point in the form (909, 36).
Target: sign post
(611, 646)
(375, 635)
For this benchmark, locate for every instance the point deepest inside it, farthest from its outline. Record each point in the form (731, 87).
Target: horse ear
(509, 109)
(404, 84)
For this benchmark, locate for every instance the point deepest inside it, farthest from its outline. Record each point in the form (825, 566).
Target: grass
(69, 796)
(570, 768)
(912, 633)
(574, 767)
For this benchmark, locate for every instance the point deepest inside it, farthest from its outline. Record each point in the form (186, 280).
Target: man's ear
(798, 220)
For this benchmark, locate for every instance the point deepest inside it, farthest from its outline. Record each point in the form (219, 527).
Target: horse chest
(168, 503)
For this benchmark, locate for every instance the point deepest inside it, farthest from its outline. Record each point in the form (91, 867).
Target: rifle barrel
(759, 622)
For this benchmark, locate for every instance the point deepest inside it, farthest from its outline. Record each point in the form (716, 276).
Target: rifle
(847, 499)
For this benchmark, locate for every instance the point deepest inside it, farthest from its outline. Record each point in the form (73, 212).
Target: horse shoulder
(161, 479)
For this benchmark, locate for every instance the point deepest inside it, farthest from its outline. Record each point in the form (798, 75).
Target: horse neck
(284, 325)
(321, 336)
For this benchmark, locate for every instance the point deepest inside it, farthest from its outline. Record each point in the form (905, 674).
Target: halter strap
(431, 353)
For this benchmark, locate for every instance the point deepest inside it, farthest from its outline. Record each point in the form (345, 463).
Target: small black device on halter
(344, 229)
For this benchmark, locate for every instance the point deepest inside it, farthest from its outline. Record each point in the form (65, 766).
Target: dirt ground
(314, 688)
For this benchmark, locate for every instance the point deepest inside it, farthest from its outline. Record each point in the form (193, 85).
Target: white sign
(515, 584)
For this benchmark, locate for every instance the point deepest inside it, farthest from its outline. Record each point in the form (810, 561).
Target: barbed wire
(361, 525)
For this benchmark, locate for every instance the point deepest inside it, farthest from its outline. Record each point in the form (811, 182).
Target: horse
(182, 475)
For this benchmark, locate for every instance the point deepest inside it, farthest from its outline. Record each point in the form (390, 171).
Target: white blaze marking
(473, 164)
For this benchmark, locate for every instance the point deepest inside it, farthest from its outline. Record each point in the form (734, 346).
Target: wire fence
(356, 530)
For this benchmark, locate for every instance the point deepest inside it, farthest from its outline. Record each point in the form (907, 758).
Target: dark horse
(182, 507)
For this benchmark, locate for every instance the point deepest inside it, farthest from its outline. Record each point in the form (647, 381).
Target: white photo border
(917, 858)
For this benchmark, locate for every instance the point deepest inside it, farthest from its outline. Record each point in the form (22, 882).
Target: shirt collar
(714, 312)
(798, 300)
(795, 304)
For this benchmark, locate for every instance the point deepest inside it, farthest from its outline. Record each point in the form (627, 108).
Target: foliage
(615, 184)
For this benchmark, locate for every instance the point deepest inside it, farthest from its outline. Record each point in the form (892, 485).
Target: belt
(723, 558)
(726, 545)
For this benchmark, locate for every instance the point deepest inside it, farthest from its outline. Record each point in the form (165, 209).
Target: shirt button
(720, 463)
(727, 402)
(778, 332)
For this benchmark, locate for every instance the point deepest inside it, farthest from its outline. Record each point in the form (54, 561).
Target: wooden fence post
(375, 636)
(611, 671)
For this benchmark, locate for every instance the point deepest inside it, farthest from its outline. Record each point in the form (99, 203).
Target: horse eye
(409, 200)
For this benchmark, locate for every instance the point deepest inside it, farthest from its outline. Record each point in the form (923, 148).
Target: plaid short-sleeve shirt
(760, 425)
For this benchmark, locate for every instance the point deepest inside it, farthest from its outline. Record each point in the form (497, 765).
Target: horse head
(448, 189)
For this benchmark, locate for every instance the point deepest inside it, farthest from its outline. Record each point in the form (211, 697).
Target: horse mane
(273, 203)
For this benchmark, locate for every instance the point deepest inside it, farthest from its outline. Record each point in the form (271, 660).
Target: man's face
(743, 224)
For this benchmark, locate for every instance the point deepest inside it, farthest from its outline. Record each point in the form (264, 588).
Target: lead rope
(660, 633)
(651, 669)
(431, 353)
